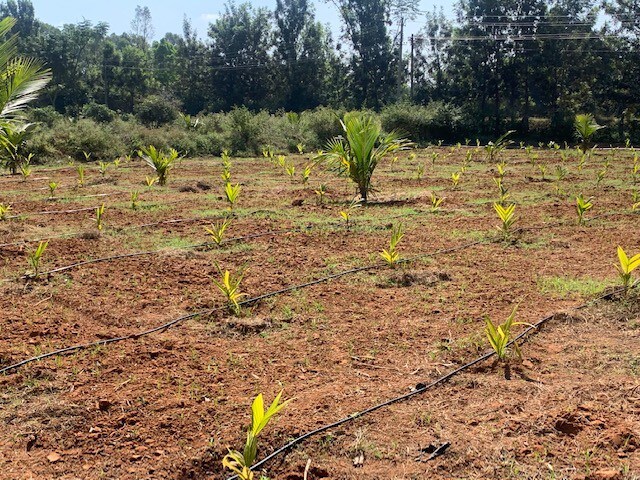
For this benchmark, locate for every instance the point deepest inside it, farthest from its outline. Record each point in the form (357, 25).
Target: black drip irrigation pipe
(150, 252)
(417, 391)
(248, 301)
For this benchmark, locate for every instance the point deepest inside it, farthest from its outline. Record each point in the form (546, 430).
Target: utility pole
(411, 71)
(400, 62)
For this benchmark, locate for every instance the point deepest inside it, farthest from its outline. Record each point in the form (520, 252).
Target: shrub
(435, 121)
(98, 112)
(44, 115)
(155, 111)
(321, 125)
(243, 130)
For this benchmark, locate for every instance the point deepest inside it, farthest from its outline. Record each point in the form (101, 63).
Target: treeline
(527, 65)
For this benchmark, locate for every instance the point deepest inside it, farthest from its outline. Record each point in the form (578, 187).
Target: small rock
(607, 474)
(53, 457)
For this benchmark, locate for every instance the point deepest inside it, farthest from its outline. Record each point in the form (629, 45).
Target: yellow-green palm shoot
(5, 208)
(627, 265)
(391, 256)
(135, 195)
(435, 202)
(419, 171)
(35, 257)
(300, 147)
(582, 206)
(150, 181)
(306, 173)
(291, 170)
(455, 179)
(102, 168)
(346, 213)
(499, 336)
(585, 127)
(80, 170)
(506, 215)
(52, 189)
(240, 462)
(232, 192)
(159, 161)
(25, 169)
(100, 217)
(229, 285)
(502, 190)
(321, 192)
(217, 230)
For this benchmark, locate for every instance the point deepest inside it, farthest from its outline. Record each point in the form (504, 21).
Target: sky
(167, 15)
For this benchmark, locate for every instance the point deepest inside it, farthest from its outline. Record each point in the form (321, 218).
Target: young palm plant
(217, 230)
(499, 336)
(627, 265)
(229, 286)
(52, 188)
(391, 256)
(240, 462)
(5, 208)
(232, 192)
(363, 146)
(585, 127)
(436, 202)
(582, 206)
(160, 161)
(100, 217)
(506, 215)
(35, 257)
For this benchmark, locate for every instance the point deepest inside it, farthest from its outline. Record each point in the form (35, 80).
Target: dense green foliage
(526, 65)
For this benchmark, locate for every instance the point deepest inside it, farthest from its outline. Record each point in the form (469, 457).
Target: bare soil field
(169, 404)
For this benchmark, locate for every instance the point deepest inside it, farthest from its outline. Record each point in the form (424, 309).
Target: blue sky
(167, 15)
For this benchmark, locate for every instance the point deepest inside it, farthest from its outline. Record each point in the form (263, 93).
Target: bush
(155, 111)
(243, 131)
(98, 112)
(45, 115)
(321, 125)
(425, 124)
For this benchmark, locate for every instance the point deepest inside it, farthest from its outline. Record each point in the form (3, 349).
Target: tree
(21, 80)
(372, 64)
(303, 54)
(241, 65)
(142, 26)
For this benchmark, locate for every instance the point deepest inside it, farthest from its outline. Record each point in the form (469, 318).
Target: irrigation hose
(421, 389)
(246, 302)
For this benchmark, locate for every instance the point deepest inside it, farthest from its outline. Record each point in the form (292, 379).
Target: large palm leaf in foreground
(360, 150)
(21, 80)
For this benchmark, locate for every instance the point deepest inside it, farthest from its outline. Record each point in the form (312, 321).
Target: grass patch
(564, 287)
